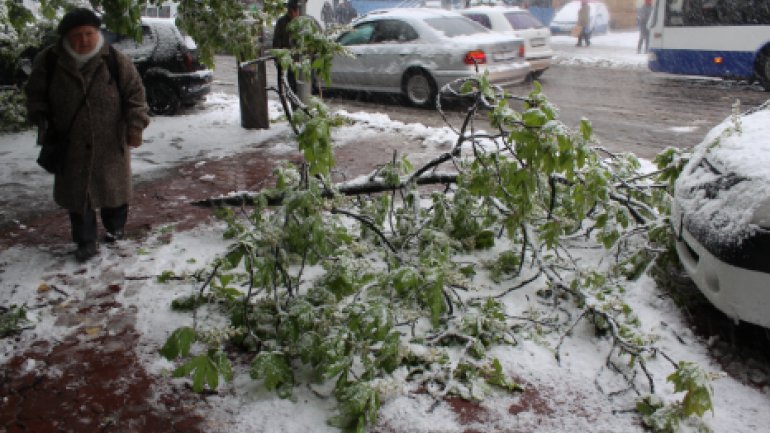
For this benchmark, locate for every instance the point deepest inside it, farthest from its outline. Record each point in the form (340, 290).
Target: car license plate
(504, 56)
(538, 42)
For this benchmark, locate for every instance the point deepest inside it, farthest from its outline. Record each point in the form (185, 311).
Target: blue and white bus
(715, 38)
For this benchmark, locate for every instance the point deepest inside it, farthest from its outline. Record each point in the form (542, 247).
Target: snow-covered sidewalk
(560, 396)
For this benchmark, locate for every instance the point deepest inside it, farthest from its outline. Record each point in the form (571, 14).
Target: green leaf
(534, 118)
(275, 372)
(178, 343)
(586, 129)
(432, 295)
(496, 376)
(358, 406)
(235, 256)
(205, 370)
(388, 357)
(165, 277)
(13, 321)
(692, 380)
(406, 280)
(485, 239)
(188, 303)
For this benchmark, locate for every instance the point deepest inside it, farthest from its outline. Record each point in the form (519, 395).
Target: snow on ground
(612, 50)
(569, 389)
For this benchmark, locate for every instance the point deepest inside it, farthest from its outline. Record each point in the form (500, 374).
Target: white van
(566, 18)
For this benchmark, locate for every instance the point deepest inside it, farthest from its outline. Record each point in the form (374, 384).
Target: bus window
(674, 13)
(697, 13)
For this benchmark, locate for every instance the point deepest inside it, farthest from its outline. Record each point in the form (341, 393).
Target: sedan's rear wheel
(535, 75)
(419, 89)
(161, 97)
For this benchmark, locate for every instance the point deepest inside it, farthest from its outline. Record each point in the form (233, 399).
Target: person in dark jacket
(95, 96)
(345, 12)
(644, 33)
(327, 15)
(584, 21)
(282, 39)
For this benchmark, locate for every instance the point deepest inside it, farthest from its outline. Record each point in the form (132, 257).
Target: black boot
(85, 251)
(115, 235)
(114, 219)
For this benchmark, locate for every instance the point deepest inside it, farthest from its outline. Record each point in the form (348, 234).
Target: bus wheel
(763, 69)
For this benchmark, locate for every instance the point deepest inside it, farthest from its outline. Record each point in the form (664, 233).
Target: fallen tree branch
(348, 188)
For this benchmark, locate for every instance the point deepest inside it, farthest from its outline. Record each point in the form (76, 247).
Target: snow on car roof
(487, 8)
(739, 148)
(423, 15)
(162, 21)
(418, 13)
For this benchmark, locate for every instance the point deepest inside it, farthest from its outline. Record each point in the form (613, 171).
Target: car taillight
(522, 50)
(188, 62)
(475, 58)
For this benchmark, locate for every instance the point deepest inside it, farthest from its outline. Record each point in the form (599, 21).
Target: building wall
(623, 13)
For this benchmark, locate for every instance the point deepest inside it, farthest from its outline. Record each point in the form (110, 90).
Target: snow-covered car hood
(723, 193)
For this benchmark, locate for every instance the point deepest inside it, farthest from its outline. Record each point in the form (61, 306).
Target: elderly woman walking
(92, 97)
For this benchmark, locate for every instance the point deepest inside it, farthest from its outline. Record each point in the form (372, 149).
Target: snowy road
(632, 109)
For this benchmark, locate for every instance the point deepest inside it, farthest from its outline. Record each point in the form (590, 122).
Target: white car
(566, 18)
(415, 52)
(721, 217)
(520, 23)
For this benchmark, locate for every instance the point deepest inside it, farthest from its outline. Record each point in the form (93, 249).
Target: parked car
(520, 23)
(166, 59)
(168, 62)
(17, 52)
(415, 52)
(721, 217)
(566, 18)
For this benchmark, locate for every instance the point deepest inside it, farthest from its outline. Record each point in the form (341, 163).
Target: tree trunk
(252, 91)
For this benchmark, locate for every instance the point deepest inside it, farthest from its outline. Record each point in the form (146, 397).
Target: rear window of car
(127, 43)
(523, 21)
(455, 26)
(479, 18)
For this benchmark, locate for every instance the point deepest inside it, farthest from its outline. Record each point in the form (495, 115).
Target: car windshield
(455, 26)
(523, 21)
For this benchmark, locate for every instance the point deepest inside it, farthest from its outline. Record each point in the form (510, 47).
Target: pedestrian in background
(345, 12)
(282, 39)
(93, 98)
(644, 33)
(327, 15)
(584, 21)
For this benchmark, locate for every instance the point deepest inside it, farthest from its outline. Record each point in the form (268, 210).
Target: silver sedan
(415, 52)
